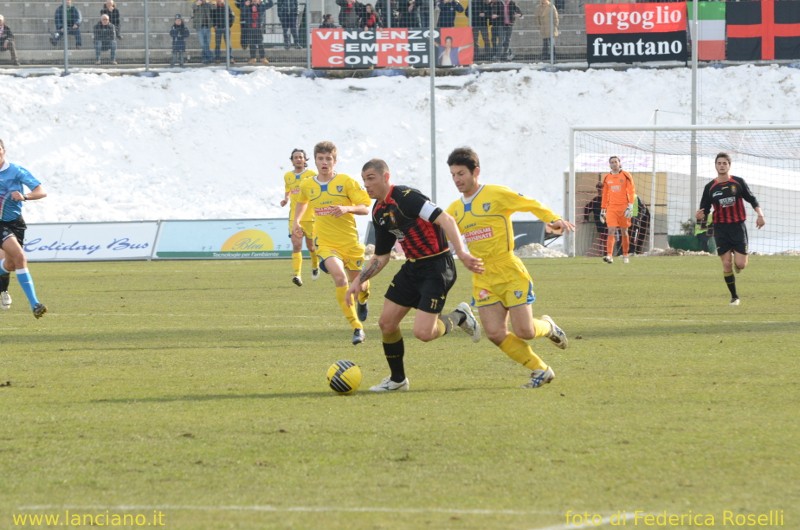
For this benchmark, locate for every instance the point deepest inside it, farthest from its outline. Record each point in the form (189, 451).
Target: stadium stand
(32, 23)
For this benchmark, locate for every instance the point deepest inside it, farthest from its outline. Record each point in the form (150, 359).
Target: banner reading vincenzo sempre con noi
(389, 48)
(628, 33)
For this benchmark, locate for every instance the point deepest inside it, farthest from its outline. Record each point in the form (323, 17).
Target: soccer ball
(344, 377)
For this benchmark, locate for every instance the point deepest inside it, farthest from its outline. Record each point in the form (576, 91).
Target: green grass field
(193, 395)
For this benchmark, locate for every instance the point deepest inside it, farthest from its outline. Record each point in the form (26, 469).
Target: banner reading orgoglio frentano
(631, 33)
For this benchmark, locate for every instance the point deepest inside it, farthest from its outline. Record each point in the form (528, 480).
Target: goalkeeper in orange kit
(616, 208)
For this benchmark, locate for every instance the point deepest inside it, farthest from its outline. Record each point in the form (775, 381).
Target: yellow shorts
(307, 226)
(506, 281)
(352, 256)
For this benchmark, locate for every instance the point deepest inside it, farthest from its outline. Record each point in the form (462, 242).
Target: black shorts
(730, 237)
(423, 284)
(14, 228)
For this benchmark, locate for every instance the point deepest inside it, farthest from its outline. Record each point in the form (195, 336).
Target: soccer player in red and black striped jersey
(402, 214)
(727, 194)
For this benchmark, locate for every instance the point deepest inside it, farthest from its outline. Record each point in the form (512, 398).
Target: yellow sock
(521, 352)
(363, 295)
(348, 311)
(314, 260)
(297, 262)
(441, 327)
(542, 328)
(393, 337)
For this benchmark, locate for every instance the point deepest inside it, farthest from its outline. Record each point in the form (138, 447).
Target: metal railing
(144, 35)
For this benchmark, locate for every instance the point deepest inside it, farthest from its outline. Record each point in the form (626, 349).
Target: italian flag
(711, 26)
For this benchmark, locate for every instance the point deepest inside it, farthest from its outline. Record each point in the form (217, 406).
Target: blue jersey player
(13, 181)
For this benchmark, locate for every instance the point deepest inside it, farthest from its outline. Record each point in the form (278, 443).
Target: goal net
(670, 167)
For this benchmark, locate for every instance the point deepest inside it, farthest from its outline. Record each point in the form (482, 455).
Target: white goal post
(671, 165)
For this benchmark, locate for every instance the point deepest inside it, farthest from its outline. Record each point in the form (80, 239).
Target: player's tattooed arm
(375, 265)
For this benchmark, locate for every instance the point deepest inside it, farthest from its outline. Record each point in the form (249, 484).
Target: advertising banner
(226, 239)
(90, 241)
(390, 47)
(628, 33)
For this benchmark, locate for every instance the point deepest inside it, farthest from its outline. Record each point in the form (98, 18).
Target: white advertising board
(224, 239)
(90, 241)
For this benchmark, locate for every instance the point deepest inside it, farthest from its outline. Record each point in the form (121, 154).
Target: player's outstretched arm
(355, 209)
(562, 225)
(450, 227)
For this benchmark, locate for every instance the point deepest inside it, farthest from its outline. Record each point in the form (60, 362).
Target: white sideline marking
(606, 521)
(278, 509)
(690, 320)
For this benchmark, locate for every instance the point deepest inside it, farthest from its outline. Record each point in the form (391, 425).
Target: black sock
(730, 281)
(4, 279)
(394, 356)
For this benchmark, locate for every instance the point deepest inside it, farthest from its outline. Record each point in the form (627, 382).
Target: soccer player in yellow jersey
(335, 199)
(505, 288)
(616, 208)
(292, 181)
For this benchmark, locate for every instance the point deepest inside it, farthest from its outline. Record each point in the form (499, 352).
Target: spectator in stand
(202, 22)
(105, 39)
(287, 13)
(7, 41)
(370, 20)
(504, 14)
(73, 24)
(592, 213)
(110, 9)
(703, 231)
(481, 14)
(253, 15)
(408, 14)
(447, 12)
(242, 24)
(350, 13)
(327, 21)
(257, 34)
(221, 30)
(424, 13)
(385, 18)
(547, 20)
(179, 33)
(640, 226)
